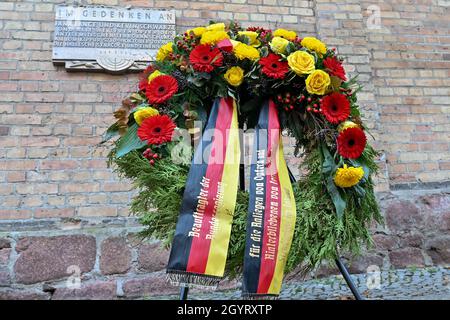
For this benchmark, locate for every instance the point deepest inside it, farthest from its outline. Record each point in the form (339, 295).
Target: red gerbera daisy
(335, 107)
(161, 89)
(156, 130)
(351, 143)
(273, 67)
(204, 58)
(335, 68)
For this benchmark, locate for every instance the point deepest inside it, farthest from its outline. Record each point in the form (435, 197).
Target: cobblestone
(401, 284)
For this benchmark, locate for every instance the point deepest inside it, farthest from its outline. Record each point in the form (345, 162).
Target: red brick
(17, 165)
(8, 86)
(8, 142)
(29, 75)
(116, 186)
(58, 164)
(97, 211)
(14, 214)
(39, 142)
(54, 213)
(44, 97)
(15, 176)
(36, 188)
(79, 187)
(83, 97)
(81, 141)
(4, 131)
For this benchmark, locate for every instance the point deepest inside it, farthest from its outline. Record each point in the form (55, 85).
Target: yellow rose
(301, 62)
(213, 37)
(164, 51)
(317, 82)
(347, 124)
(278, 45)
(234, 76)
(216, 27)
(197, 31)
(286, 34)
(314, 44)
(347, 177)
(144, 113)
(243, 51)
(253, 36)
(154, 74)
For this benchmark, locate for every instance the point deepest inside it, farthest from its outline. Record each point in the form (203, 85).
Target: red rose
(161, 89)
(157, 129)
(204, 58)
(334, 67)
(351, 143)
(335, 107)
(273, 67)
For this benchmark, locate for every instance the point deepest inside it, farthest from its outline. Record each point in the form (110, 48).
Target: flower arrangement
(317, 106)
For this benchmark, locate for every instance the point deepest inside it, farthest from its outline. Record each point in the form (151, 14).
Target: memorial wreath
(270, 83)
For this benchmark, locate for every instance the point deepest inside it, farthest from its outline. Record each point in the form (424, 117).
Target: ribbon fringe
(192, 280)
(253, 296)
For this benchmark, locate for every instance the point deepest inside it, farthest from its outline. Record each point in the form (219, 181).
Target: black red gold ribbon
(271, 216)
(200, 245)
(203, 230)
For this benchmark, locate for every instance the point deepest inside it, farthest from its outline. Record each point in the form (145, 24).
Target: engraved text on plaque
(110, 39)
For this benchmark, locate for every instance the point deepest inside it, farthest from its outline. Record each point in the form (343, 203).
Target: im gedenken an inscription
(111, 39)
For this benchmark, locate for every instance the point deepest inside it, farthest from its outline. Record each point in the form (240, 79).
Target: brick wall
(60, 206)
(411, 62)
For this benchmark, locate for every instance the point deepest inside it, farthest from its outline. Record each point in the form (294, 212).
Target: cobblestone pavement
(418, 284)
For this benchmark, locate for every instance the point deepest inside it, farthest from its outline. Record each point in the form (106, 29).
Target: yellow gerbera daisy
(243, 51)
(216, 27)
(213, 37)
(314, 44)
(286, 34)
(144, 113)
(347, 177)
(154, 74)
(164, 51)
(197, 31)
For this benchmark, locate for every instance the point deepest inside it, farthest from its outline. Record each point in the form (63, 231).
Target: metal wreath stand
(184, 291)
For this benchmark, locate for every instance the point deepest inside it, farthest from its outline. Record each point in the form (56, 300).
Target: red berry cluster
(257, 29)
(314, 105)
(265, 36)
(287, 101)
(187, 43)
(150, 155)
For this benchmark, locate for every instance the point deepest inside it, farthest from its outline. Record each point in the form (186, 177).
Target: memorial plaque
(108, 38)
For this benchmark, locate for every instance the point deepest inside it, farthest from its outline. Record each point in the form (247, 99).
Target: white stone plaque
(110, 39)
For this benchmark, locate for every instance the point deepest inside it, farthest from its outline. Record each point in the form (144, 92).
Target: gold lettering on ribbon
(199, 212)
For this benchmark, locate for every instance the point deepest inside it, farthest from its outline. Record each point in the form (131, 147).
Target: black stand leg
(184, 293)
(241, 177)
(348, 279)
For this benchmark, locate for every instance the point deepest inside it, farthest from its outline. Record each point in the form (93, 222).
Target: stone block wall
(63, 213)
